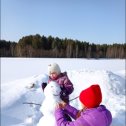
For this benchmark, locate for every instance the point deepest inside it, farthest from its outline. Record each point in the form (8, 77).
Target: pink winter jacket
(66, 86)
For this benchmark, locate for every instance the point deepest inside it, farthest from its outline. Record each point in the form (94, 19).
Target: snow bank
(19, 91)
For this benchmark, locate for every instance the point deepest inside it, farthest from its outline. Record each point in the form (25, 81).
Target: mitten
(62, 93)
(44, 84)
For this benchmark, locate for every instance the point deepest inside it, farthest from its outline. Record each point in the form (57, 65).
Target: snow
(18, 75)
(52, 97)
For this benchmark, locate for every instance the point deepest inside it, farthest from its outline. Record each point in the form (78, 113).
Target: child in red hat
(92, 114)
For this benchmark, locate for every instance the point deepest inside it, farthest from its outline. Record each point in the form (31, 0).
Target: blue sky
(94, 21)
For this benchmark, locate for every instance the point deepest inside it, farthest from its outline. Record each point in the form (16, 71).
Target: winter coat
(65, 84)
(99, 116)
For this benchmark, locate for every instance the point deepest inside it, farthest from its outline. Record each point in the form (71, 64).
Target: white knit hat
(54, 67)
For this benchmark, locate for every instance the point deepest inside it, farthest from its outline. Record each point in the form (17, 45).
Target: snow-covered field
(18, 74)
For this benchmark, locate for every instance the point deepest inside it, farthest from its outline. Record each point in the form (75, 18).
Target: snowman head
(52, 89)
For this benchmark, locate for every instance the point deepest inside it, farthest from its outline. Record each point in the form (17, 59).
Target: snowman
(52, 97)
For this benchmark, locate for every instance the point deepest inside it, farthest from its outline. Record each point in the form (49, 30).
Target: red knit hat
(91, 97)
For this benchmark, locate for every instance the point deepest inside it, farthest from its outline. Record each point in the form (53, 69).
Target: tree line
(54, 47)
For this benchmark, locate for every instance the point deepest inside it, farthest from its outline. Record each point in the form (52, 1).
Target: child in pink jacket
(62, 79)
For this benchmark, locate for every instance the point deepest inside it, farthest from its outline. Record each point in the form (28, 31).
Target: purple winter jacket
(66, 86)
(99, 116)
